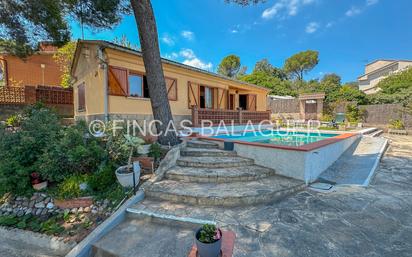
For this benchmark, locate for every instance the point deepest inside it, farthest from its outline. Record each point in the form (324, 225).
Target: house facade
(378, 70)
(110, 83)
(37, 69)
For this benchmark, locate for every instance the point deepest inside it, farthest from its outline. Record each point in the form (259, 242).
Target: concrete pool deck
(355, 221)
(358, 164)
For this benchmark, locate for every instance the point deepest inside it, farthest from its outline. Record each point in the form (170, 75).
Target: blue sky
(347, 33)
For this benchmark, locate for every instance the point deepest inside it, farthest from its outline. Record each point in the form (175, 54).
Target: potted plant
(148, 141)
(208, 241)
(128, 175)
(37, 182)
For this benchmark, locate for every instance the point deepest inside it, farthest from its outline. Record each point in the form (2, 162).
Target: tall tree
(264, 66)
(229, 66)
(299, 64)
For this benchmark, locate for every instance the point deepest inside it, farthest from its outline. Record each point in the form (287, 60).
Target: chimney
(47, 46)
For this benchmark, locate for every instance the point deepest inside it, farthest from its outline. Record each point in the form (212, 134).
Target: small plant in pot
(148, 141)
(127, 175)
(208, 241)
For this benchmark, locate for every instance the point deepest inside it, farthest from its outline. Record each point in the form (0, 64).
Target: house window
(138, 86)
(81, 100)
(135, 85)
(206, 97)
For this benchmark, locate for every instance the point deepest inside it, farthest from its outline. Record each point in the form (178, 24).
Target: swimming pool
(275, 137)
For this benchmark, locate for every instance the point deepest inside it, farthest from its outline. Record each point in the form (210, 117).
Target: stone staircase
(206, 184)
(208, 176)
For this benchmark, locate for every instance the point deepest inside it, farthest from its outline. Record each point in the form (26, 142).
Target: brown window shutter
(171, 86)
(193, 94)
(221, 93)
(252, 102)
(118, 82)
(81, 97)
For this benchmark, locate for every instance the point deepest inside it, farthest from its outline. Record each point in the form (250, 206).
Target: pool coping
(302, 148)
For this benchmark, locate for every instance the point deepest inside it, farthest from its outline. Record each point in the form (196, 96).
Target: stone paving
(353, 221)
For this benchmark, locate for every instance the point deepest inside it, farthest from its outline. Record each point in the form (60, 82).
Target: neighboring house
(378, 70)
(37, 69)
(110, 83)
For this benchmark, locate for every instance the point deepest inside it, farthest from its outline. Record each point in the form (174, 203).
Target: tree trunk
(146, 25)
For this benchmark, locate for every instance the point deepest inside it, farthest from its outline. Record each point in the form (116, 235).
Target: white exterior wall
(368, 82)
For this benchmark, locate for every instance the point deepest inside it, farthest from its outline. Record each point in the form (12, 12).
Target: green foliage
(277, 85)
(208, 233)
(51, 226)
(8, 220)
(229, 66)
(301, 63)
(123, 41)
(70, 187)
(103, 178)
(24, 23)
(353, 113)
(267, 68)
(155, 151)
(396, 124)
(396, 82)
(76, 152)
(14, 120)
(64, 57)
(348, 94)
(20, 151)
(326, 117)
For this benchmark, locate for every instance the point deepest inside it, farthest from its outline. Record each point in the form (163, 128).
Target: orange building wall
(29, 72)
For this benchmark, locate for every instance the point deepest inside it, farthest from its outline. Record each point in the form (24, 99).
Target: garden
(60, 180)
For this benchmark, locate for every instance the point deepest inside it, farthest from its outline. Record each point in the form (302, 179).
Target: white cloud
(371, 2)
(189, 35)
(188, 57)
(187, 53)
(171, 56)
(285, 8)
(234, 31)
(330, 24)
(312, 27)
(168, 40)
(195, 62)
(353, 11)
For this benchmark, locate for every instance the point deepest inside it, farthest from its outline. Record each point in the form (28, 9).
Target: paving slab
(145, 237)
(357, 165)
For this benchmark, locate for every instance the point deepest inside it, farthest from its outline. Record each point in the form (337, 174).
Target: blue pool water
(277, 137)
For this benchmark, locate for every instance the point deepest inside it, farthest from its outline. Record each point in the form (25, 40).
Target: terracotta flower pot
(145, 162)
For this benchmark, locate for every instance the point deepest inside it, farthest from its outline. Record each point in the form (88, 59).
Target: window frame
(136, 73)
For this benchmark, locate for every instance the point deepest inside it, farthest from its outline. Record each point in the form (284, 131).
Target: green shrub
(70, 187)
(20, 150)
(326, 117)
(354, 114)
(14, 120)
(396, 124)
(74, 153)
(102, 179)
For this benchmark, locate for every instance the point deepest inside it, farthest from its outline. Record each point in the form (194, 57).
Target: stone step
(214, 162)
(225, 194)
(201, 144)
(213, 175)
(199, 152)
